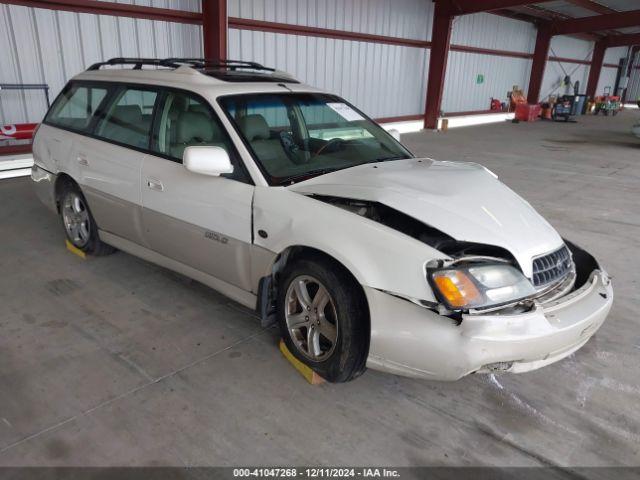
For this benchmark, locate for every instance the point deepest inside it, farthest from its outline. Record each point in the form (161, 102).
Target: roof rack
(136, 62)
(217, 68)
(222, 64)
(177, 62)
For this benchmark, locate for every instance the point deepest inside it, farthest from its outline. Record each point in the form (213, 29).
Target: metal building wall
(382, 80)
(45, 46)
(393, 18)
(462, 92)
(555, 72)
(633, 90)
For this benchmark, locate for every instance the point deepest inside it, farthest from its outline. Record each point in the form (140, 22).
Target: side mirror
(395, 134)
(209, 160)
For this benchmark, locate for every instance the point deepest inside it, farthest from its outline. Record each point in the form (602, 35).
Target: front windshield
(295, 136)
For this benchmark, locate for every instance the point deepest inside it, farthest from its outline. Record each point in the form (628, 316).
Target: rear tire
(324, 319)
(79, 225)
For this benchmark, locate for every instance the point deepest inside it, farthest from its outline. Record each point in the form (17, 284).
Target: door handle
(155, 184)
(82, 160)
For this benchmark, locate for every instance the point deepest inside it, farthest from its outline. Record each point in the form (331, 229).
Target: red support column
(540, 54)
(214, 29)
(440, 40)
(596, 67)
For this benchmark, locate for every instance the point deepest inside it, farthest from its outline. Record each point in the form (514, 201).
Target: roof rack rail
(136, 62)
(195, 63)
(228, 64)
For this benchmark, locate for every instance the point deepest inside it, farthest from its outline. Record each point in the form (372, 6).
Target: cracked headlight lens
(480, 285)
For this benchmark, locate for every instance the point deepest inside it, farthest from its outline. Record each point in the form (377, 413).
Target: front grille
(552, 267)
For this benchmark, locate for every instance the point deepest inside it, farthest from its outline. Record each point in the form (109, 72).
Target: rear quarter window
(75, 106)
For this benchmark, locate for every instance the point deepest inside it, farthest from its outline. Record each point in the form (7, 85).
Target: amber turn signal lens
(457, 288)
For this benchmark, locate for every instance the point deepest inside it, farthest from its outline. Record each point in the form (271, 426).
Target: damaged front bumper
(410, 340)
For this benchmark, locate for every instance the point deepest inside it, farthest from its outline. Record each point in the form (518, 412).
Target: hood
(463, 200)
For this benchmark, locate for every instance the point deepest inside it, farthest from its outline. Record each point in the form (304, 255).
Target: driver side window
(184, 120)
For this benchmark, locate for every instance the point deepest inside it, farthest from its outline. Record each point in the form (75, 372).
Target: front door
(201, 221)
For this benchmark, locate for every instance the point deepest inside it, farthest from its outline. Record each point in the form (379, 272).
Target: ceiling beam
(465, 7)
(623, 40)
(593, 6)
(596, 23)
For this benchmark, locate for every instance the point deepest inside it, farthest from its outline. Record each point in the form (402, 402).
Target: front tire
(323, 319)
(79, 225)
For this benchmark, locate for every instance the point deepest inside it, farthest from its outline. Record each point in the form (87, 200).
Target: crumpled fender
(376, 255)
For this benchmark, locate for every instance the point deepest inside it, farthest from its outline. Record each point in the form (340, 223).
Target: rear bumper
(410, 340)
(44, 183)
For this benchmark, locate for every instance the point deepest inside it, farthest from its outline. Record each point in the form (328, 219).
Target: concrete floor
(113, 361)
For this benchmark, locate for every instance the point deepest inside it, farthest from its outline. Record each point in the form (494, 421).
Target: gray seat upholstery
(127, 125)
(194, 128)
(269, 150)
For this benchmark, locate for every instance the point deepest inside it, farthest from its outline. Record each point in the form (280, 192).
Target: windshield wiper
(306, 175)
(386, 159)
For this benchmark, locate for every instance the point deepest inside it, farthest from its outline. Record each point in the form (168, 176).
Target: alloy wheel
(75, 217)
(311, 318)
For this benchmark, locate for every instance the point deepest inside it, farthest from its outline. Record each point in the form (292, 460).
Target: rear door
(69, 118)
(201, 221)
(111, 161)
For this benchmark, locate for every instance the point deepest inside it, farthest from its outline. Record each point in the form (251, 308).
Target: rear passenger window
(74, 108)
(128, 119)
(185, 120)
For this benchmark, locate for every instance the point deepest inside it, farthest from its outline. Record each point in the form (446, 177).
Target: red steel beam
(214, 29)
(112, 8)
(623, 40)
(290, 29)
(596, 23)
(597, 60)
(464, 7)
(543, 42)
(440, 42)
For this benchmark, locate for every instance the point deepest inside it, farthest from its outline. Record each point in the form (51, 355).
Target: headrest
(199, 108)
(254, 127)
(194, 126)
(178, 105)
(129, 114)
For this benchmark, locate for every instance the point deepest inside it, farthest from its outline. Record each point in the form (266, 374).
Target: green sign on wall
(479, 79)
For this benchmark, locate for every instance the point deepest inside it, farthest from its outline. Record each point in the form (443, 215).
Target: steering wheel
(291, 148)
(325, 146)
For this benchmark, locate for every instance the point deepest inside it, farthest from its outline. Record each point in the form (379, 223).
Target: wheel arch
(62, 179)
(268, 290)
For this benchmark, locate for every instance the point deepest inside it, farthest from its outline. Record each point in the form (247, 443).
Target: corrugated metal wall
(44, 46)
(463, 90)
(608, 75)
(393, 18)
(554, 74)
(382, 80)
(633, 90)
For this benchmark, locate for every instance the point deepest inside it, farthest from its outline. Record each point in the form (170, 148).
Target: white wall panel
(633, 90)
(553, 80)
(381, 80)
(462, 93)
(394, 18)
(46, 46)
(570, 47)
(613, 55)
(607, 79)
(492, 31)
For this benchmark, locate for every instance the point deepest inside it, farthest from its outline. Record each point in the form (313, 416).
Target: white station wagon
(292, 202)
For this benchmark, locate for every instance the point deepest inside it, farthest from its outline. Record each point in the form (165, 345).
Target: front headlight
(480, 285)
